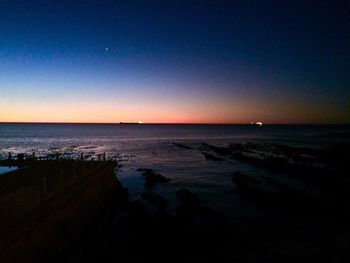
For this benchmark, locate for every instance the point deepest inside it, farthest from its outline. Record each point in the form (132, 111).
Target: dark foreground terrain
(298, 225)
(93, 220)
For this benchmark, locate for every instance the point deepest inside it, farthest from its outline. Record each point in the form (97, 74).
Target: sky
(175, 61)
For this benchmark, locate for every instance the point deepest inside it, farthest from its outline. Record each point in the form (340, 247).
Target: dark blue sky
(175, 61)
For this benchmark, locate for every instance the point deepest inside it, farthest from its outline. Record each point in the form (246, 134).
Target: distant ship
(258, 123)
(136, 122)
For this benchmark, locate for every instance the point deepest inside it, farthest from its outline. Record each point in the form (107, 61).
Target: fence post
(44, 187)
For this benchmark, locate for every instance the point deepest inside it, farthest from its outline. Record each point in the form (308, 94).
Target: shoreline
(293, 227)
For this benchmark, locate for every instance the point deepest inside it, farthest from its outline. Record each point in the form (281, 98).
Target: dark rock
(152, 178)
(183, 146)
(186, 209)
(255, 189)
(186, 197)
(216, 149)
(276, 162)
(242, 179)
(270, 194)
(155, 199)
(138, 210)
(211, 157)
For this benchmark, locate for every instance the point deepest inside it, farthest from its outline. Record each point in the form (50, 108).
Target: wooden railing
(30, 199)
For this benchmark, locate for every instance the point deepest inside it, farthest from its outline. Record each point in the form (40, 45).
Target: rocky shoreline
(298, 225)
(302, 197)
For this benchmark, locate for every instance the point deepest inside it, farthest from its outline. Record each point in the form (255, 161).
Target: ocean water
(6, 169)
(152, 146)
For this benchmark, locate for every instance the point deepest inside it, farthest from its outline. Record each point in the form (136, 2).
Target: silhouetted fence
(26, 201)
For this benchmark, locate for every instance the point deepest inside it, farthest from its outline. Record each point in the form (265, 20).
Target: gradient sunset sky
(175, 61)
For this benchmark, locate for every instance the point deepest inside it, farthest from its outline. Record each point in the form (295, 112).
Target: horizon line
(167, 123)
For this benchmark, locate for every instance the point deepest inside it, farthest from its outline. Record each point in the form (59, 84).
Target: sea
(156, 146)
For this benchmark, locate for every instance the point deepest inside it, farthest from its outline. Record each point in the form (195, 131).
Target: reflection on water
(5, 169)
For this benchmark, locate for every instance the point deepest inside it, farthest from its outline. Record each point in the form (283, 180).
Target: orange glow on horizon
(161, 113)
